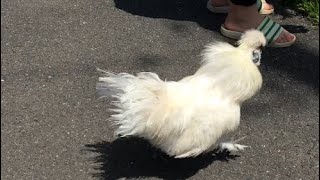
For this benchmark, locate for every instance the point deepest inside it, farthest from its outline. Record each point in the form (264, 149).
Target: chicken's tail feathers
(133, 98)
(111, 84)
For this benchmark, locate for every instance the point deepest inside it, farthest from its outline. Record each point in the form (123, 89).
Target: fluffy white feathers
(187, 118)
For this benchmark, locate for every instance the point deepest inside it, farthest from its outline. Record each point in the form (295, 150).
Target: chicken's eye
(256, 57)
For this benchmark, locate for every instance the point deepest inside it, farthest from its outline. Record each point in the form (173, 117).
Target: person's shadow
(196, 11)
(134, 157)
(181, 10)
(185, 10)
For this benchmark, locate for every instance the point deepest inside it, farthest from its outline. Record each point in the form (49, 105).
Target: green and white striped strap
(270, 29)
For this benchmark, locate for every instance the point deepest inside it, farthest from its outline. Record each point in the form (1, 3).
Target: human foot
(242, 18)
(266, 6)
(222, 6)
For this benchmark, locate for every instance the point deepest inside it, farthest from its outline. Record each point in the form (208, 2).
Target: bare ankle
(242, 18)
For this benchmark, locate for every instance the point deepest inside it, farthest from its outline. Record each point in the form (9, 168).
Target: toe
(285, 36)
(268, 6)
(240, 147)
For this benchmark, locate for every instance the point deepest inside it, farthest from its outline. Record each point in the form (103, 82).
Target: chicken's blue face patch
(256, 57)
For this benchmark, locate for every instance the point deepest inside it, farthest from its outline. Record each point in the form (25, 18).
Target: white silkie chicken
(188, 117)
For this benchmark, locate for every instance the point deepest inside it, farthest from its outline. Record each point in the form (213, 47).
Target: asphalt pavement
(54, 127)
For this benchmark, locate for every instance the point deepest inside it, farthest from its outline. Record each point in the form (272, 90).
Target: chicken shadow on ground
(135, 157)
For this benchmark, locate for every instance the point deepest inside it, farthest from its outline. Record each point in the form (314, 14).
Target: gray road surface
(53, 126)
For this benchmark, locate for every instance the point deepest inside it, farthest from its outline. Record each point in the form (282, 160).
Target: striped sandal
(225, 9)
(270, 29)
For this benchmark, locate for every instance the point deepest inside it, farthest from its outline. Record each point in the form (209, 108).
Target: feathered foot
(232, 146)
